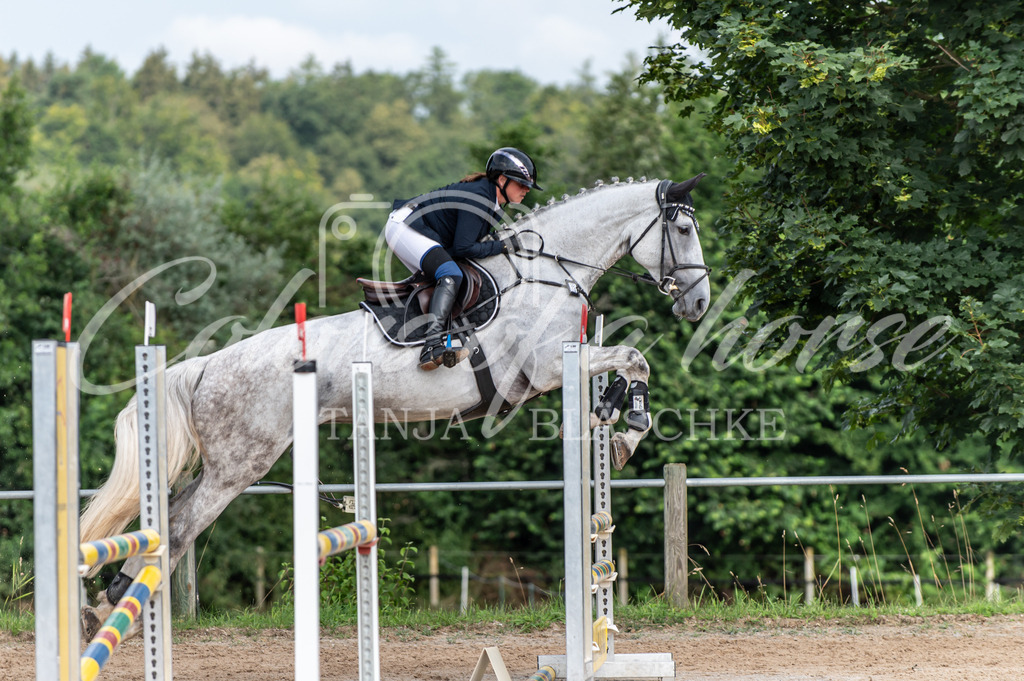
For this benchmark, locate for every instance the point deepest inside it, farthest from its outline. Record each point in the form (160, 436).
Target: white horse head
(654, 222)
(679, 270)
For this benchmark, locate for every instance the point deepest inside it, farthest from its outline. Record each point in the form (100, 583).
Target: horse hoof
(620, 451)
(91, 623)
(94, 617)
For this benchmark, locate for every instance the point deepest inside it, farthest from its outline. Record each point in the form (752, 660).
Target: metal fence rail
(630, 483)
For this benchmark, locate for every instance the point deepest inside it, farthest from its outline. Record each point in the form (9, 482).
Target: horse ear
(680, 189)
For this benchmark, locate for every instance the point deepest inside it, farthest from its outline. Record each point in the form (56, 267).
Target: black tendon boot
(434, 351)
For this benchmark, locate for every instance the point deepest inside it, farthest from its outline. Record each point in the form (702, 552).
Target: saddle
(420, 287)
(399, 308)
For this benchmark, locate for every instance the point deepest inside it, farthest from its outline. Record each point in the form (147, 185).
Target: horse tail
(116, 503)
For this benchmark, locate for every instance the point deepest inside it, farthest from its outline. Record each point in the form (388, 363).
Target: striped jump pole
(345, 537)
(113, 549)
(543, 674)
(119, 622)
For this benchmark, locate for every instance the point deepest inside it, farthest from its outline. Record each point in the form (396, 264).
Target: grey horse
(233, 408)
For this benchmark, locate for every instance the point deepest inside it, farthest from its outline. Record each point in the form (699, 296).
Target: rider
(428, 232)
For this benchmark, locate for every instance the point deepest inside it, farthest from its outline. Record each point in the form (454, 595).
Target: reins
(666, 284)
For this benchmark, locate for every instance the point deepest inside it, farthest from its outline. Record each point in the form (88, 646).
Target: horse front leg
(632, 372)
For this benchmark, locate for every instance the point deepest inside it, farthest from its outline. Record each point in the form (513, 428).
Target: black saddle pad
(404, 323)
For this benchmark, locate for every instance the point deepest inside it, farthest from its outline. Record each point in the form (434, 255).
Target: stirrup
(434, 356)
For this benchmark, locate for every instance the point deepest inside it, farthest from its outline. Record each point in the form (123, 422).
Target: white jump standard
(590, 652)
(311, 545)
(59, 557)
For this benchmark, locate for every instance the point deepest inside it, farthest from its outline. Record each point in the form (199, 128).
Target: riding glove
(512, 244)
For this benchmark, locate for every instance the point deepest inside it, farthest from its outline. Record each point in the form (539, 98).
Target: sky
(550, 40)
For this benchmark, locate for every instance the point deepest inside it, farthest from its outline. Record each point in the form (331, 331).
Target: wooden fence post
(435, 585)
(676, 559)
(623, 581)
(809, 575)
(261, 577)
(991, 588)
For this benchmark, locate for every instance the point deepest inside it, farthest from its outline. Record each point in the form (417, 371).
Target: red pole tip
(300, 320)
(66, 322)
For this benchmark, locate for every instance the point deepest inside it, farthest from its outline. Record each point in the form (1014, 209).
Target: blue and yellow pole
(345, 537)
(119, 622)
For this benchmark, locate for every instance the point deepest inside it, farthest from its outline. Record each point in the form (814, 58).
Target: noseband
(668, 212)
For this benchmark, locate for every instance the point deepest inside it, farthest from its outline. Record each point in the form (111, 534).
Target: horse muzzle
(690, 301)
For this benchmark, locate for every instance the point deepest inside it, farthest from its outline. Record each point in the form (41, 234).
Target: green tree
(316, 103)
(261, 134)
(625, 129)
(135, 221)
(889, 140)
(338, 154)
(40, 260)
(392, 132)
(233, 95)
(182, 130)
(205, 79)
(560, 116)
(15, 135)
(434, 89)
(155, 75)
(496, 97)
(275, 205)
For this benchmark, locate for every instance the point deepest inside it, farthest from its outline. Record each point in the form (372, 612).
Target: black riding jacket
(458, 216)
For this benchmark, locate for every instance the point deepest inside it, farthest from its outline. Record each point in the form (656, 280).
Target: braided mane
(552, 202)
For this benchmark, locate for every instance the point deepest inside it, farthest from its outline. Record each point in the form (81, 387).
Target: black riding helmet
(514, 164)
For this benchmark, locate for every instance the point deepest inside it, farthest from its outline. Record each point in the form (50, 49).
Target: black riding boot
(434, 351)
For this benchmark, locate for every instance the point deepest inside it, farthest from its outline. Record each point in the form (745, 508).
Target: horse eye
(684, 230)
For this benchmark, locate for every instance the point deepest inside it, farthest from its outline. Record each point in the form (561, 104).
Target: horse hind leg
(192, 511)
(93, 617)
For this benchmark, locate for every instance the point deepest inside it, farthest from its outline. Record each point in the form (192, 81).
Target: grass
(744, 613)
(952, 586)
(16, 621)
(424, 622)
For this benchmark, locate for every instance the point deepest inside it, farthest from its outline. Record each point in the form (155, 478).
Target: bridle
(666, 282)
(668, 213)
